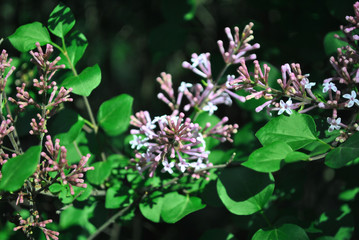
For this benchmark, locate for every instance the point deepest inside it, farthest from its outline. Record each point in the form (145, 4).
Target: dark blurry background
(134, 41)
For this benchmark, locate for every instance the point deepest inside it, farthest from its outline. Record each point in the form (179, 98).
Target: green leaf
(101, 172)
(16, 170)
(297, 130)
(284, 232)
(55, 188)
(118, 160)
(176, 206)
(85, 193)
(244, 191)
(349, 195)
(346, 152)
(217, 157)
(295, 157)
(116, 196)
(26, 36)
(72, 216)
(114, 114)
(84, 83)
(65, 195)
(151, 206)
(61, 21)
(331, 44)
(76, 45)
(73, 133)
(269, 157)
(217, 234)
(336, 222)
(326, 238)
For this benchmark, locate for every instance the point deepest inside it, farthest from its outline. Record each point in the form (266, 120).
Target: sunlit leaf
(16, 170)
(85, 82)
(114, 114)
(284, 232)
(61, 20)
(244, 191)
(297, 130)
(176, 206)
(26, 36)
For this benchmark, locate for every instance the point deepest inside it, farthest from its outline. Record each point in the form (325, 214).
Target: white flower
(210, 108)
(138, 142)
(201, 139)
(167, 167)
(305, 82)
(329, 85)
(184, 86)
(198, 60)
(285, 107)
(182, 165)
(198, 165)
(230, 78)
(334, 124)
(352, 99)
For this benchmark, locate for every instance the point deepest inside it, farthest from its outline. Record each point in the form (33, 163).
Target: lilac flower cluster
(34, 222)
(44, 86)
(4, 64)
(170, 141)
(296, 89)
(70, 175)
(175, 142)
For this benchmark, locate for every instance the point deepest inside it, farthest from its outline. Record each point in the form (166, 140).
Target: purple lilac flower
(5, 129)
(210, 108)
(138, 142)
(201, 65)
(173, 141)
(305, 82)
(285, 107)
(329, 86)
(352, 99)
(238, 45)
(334, 123)
(41, 59)
(74, 177)
(4, 64)
(34, 221)
(167, 166)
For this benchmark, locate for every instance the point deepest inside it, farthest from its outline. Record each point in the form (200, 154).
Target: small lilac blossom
(201, 65)
(24, 98)
(334, 123)
(167, 166)
(352, 99)
(329, 85)
(34, 221)
(238, 45)
(41, 59)
(182, 165)
(38, 128)
(285, 107)
(184, 86)
(198, 165)
(138, 142)
(308, 85)
(210, 108)
(74, 177)
(5, 129)
(5, 64)
(220, 131)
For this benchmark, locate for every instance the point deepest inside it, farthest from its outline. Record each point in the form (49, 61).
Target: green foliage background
(133, 41)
